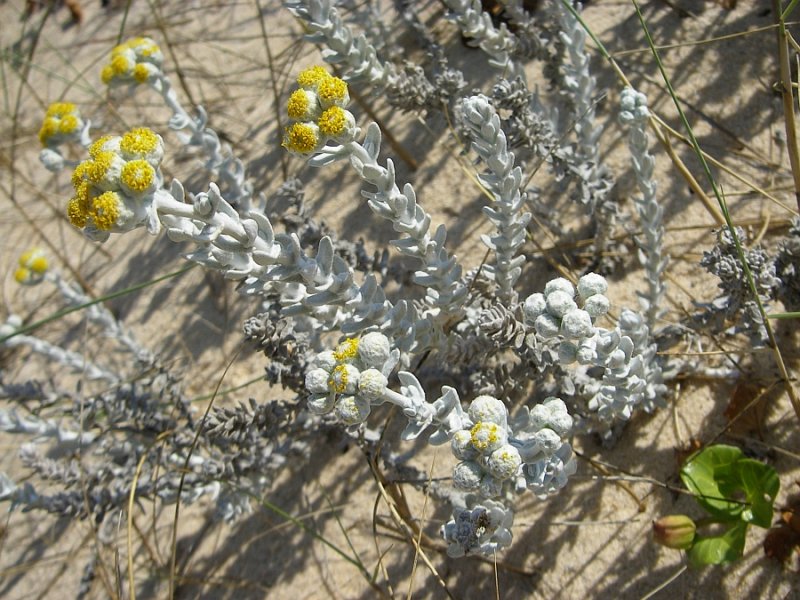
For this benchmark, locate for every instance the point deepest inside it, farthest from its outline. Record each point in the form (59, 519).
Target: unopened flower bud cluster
(556, 313)
(317, 111)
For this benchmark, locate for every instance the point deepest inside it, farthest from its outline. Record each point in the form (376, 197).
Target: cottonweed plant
(501, 446)
(337, 337)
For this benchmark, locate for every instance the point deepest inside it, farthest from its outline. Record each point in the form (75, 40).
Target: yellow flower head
(333, 92)
(138, 176)
(333, 122)
(121, 65)
(97, 169)
(141, 142)
(33, 265)
(310, 78)
(303, 105)
(61, 109)
(484, 435)
(61, 121)
(302, 138)
(99, 146)
(69, 124)
(105, 210)
(347, 350)
(77, 212)
(337, 382)
(48, 130)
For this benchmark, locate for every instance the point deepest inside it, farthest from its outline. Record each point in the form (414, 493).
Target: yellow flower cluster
(136, 61)
(114, 186)
(33, 265)
(62, 123)
(317, 111)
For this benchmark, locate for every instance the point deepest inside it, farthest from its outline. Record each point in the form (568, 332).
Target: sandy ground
(593, 539)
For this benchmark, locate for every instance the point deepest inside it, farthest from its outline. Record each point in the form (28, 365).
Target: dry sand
(591, 540)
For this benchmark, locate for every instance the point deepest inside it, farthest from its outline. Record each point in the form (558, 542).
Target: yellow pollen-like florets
(337, 382)
(138, 175)
(121, 64)
(301, 137)
(76, 212)
(140, 140)
(21, 275)
(347, 350)
(35, 260)
(297, 107)
(38, 265)
(97, 146)
(140, 73)
(309, 78)
(96, 169)
(332, 122)
(48, 130)
(60, 109)
(107, 74)
(68, 124)
(105, 210)
(483, 435)
(332, 90)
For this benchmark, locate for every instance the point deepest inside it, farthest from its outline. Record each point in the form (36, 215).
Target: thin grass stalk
(787, 97)
(784, 373)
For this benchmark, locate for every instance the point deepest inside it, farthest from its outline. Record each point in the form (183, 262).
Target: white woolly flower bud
(467, 475)
(560, 303)
(488, 409)
(535, 305)
(547, 326)
(577, 324)
(504, 462)
(372, 385)
(321, 404)
(547, 441)
(553, 414)
(325, 360)
(559, 285)
(52, 160)
(597, 305)
(374, 350)
(591, 284)
(352, 410)
(461, 445)
(317, 381)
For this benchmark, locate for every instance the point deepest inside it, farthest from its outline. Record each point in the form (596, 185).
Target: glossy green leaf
(712, 477)
(760, 484)
(721, 549)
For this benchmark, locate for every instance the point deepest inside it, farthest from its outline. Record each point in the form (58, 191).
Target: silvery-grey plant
(635, 115)
(384, 342)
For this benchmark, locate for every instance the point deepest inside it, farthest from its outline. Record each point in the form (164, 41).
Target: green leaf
(710, 476)
(761, 484)
(717, 550)
(730, 486)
